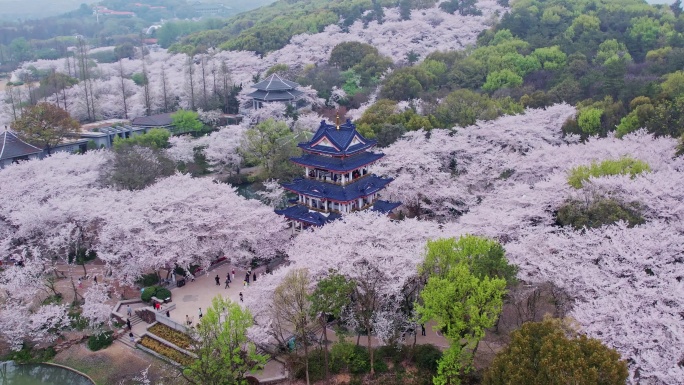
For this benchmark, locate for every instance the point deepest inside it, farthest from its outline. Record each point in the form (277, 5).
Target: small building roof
(275, 83)
(328, 191)
(338, 164)
(303, 214)
(337, 140)
(384, 206)
(273, 96)
(12, 147)
(159, 120)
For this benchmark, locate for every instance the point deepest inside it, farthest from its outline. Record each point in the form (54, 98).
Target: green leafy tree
(401, 86)
(139, 78)
(348, 54)
(224, 353)
(467, 279)
(673, 86)
(589, 120)
(464, 107)
(186, 121)
(292, 308)
(596, 212)
(156, 138)
(680, 146)
(502, 79)
(463, 306)
(485, 257)
(45, 125)
(262, 143)
(551, 352)
(331, 295)
(551, 58)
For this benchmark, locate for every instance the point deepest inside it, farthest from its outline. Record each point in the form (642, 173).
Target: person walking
(95, 279)
(254, 277)
(233, 274)
(187, 320)
(128, 323)
(218, 280)
(129, 311)
(227, 283)
(130, 335)
(422, 329)
(247, 278)
(200, 313)
(241, 299)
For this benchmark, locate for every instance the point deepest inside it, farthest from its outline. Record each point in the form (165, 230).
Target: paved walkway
(199, 293)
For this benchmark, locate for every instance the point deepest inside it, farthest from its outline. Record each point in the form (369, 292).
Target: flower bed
(166, 351)
(177, 338)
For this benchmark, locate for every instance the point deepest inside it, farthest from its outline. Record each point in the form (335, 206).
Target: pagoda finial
(337, 119)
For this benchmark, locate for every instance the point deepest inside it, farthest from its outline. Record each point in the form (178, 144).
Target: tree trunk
(370, 351)
(204, 85)
(166, 100)
(123, 89)
(306, 357)
(324, 323)
(192, 84)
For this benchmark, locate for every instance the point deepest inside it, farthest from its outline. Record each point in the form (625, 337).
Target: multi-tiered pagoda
(337, 178)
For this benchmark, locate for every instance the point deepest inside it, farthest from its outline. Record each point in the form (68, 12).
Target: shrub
(177, 338)
(28, 355)
(426, 357)
(163, 293)
(599, 212)
(100, 341)
(316, 366)
(349, 357)
(148, 280)
(148, 293)
(622, 166)
(166, 351)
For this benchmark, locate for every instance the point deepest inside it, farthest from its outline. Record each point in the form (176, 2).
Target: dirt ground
(118, 364)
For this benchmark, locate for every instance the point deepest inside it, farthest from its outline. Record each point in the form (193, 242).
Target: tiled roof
(272, 96)
(303, 214)
(384, 206)
(159, 120)
(358, 189)
(275, 83)
(338, 164)
(12, 147)
(342, 140)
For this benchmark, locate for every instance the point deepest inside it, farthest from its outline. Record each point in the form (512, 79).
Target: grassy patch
(622, 166)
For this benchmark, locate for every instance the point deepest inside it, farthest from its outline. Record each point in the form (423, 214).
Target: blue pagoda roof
(322, 190)
(342, 140)
(385, 206)
(303, 214)
(338, 164)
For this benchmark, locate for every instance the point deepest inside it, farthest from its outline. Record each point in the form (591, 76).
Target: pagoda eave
(361, 188)
(342, 165)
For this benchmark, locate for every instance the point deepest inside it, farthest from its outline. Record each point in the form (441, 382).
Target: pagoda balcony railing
(324, 211)
(328, 180)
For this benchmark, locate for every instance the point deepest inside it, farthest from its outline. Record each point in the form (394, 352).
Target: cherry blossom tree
(182, 220)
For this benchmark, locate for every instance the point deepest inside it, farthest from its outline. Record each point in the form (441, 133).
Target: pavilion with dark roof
(274, 89)
(337, 178)
(13, 149)
(154, 121)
